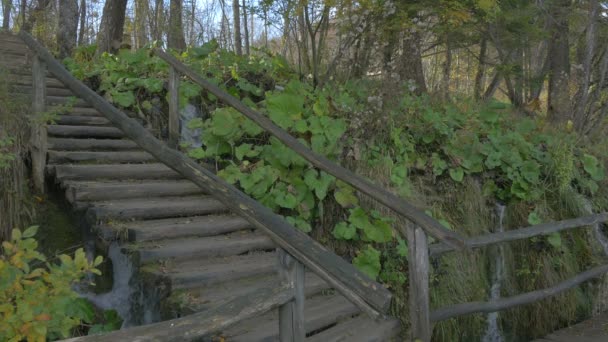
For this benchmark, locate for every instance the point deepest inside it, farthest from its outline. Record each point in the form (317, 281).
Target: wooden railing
(297, 250)
(421, 317)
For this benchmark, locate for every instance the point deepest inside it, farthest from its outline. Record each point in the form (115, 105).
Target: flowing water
(120, 297)
(493, 333)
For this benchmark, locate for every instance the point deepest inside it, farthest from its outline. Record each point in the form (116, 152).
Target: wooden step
(80, 120)
(153, 208)
(72, 144)
(230, 286)
(112, 171)
(320, 312)
(204, 247)
(172, 228)
(63, 100)
(83, 111)
(51, 82)
(132, 157)
(84, 131)
(101, 191)
(213, 271)
(359, 329)
(14, 47)
(21, 89)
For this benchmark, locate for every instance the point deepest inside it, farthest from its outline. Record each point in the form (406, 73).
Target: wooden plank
(385, 197)
(22, 89)
(39, 130)
(204, 247)
(291, 314)
(524, 233)
(197, 273)
(103, 191)
(521, 299)
(171, 228)
(419, 285)
(321, 311)
(84, 131)
(173, 108)
(114, 171)
(74, 144)
(367, 294)
(60, 157)
(82, 120)
(196, 326)
(151, 208)
(359, 329)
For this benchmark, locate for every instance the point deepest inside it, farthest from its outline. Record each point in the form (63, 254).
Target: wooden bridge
(244, 273)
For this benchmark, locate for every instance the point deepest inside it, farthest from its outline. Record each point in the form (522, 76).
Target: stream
(493, 332)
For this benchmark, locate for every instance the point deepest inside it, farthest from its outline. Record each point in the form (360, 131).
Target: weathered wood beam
(419, 294)
(370, 296)
(521, 299)
(523, 233)
(39, 134)
(390, 200)
(198, 325)
(291, 314)
(173, 108)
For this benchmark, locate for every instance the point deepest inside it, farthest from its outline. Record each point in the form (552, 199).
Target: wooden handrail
(196, 326)
(370, 296)
(521, 299)
(397, 204)
(523, 233)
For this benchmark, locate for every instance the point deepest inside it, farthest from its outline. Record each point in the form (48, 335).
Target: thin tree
(176, 38)
(7, 5)
(112, 25)
(238, 44)
(68, 27)
(83, 22)
(246, 27)
(559, 63)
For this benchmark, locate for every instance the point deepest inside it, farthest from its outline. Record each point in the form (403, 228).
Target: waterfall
(493, 333)
(119, 298)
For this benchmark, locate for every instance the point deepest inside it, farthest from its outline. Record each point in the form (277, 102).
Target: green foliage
(513, 161)
(368, 261)
(6, 156)
(36, 297)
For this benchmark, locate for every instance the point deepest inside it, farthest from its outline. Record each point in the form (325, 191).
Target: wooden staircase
(189, 246)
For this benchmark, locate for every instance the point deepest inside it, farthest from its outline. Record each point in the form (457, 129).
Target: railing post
(291, 314)
(38, 139)
(173, 107)
(419, 284)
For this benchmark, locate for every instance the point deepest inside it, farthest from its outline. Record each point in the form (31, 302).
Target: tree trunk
(83, 21)
(582, 98)
(141, 13)
(236, 14)
(246, 27)
(68, 27)
(559, 63)
(481, 68)
(176, 38)
(112, 25)
(6, 11)
(156, 25)
(410, 68)
(447, 68)
(41, 7)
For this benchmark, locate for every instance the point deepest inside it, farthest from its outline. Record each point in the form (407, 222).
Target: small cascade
(493, 333)
(119, 298)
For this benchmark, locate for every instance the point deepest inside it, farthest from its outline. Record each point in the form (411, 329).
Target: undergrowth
(455, 161)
